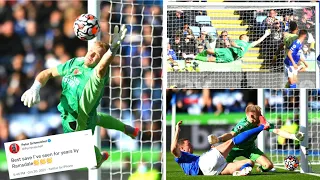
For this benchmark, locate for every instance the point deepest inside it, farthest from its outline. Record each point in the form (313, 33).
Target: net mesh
(134, 92)
(190, 32)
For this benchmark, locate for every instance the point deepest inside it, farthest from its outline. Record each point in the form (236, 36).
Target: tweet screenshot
(50, 154)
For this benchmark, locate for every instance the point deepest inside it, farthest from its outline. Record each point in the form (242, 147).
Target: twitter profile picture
(14, 148)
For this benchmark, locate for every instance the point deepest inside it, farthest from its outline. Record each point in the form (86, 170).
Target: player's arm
(223, 138)
(233, 44)
(32, 95)
(266, 34)
(174, 144)
(103, 65)
(298, 136)
(303, 61)
(291, 58)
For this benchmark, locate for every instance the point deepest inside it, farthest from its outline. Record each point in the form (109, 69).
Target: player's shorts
(87, 115)
(224, 55)
(290, 71)
(253, 154)
(212, 162)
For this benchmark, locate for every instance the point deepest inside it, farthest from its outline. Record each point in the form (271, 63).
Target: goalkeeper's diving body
(249, 148)
(83, 81)
(213, 162)
(226, 55)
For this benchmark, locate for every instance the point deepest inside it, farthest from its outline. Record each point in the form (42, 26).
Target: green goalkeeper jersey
(75, 77)
(288, 40)
(245, 45)
(245, 125)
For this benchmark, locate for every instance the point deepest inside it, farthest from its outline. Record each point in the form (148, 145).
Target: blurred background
(217, 111)
(35, 35)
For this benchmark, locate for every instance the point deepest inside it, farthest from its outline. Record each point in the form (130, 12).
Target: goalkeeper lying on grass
(82, 88)
(249, 148)
(213, 162)
(225, 55)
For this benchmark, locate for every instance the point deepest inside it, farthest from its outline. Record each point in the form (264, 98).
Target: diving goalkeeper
(225, 55)
(82, 88)
(249, 148)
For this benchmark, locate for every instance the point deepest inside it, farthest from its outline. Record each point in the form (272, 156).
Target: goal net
(193, 28)
(134, 91)
(282, 108)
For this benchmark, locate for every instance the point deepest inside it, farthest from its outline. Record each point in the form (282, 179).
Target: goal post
(93, 7)
(304, 168)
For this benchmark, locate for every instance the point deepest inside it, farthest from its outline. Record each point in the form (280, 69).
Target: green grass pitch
(173, 171)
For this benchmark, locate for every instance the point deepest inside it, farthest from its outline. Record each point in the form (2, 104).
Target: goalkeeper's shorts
(212, 162)
(224, 55)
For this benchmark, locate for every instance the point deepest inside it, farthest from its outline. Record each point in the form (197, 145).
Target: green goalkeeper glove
(117, 38)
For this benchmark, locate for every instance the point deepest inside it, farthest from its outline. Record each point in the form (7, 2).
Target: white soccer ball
(291, 163)
(86, 27)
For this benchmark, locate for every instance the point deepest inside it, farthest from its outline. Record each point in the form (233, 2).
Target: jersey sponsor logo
(72, 81)
(239, 127)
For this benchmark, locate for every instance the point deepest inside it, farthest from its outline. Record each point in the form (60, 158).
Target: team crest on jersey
(76, 71)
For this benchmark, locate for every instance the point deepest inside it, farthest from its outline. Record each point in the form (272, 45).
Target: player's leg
(237, 166)
(265, 163)
(290, 71)
(109, 122)
(88, 100)
(226, 147)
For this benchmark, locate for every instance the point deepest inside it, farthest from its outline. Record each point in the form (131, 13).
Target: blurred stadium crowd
(198, 101)
(217, 101)
(35, 35)
(190, 32)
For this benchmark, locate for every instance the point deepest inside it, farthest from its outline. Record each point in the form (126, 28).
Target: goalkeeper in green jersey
(82, 88)
(249, 149)
(225, 55)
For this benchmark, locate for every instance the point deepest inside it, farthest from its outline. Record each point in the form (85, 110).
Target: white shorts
(212, 162)
(289, 71)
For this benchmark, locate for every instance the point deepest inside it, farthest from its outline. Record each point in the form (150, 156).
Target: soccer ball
(291, 163)
(86, 27)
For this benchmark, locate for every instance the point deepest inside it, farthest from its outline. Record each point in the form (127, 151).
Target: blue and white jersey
(296, 48)
(189, 163)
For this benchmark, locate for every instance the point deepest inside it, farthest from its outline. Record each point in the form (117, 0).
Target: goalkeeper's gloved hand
(299, 136)
(268, 32)
(213, 139)
(117, 38)
(32, 95)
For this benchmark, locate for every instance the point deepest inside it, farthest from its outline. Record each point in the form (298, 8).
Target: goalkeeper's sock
(263, 169)
(293, 85)
(109, 122)
(100, 157)
(244, 136)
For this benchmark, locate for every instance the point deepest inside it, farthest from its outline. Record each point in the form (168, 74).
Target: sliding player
(294, 59)
(213, 162)
(82, 88)
(225, 55)
(249, 148)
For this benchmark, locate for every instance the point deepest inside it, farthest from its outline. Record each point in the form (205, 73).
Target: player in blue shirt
(293, 60)
(214, 162)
